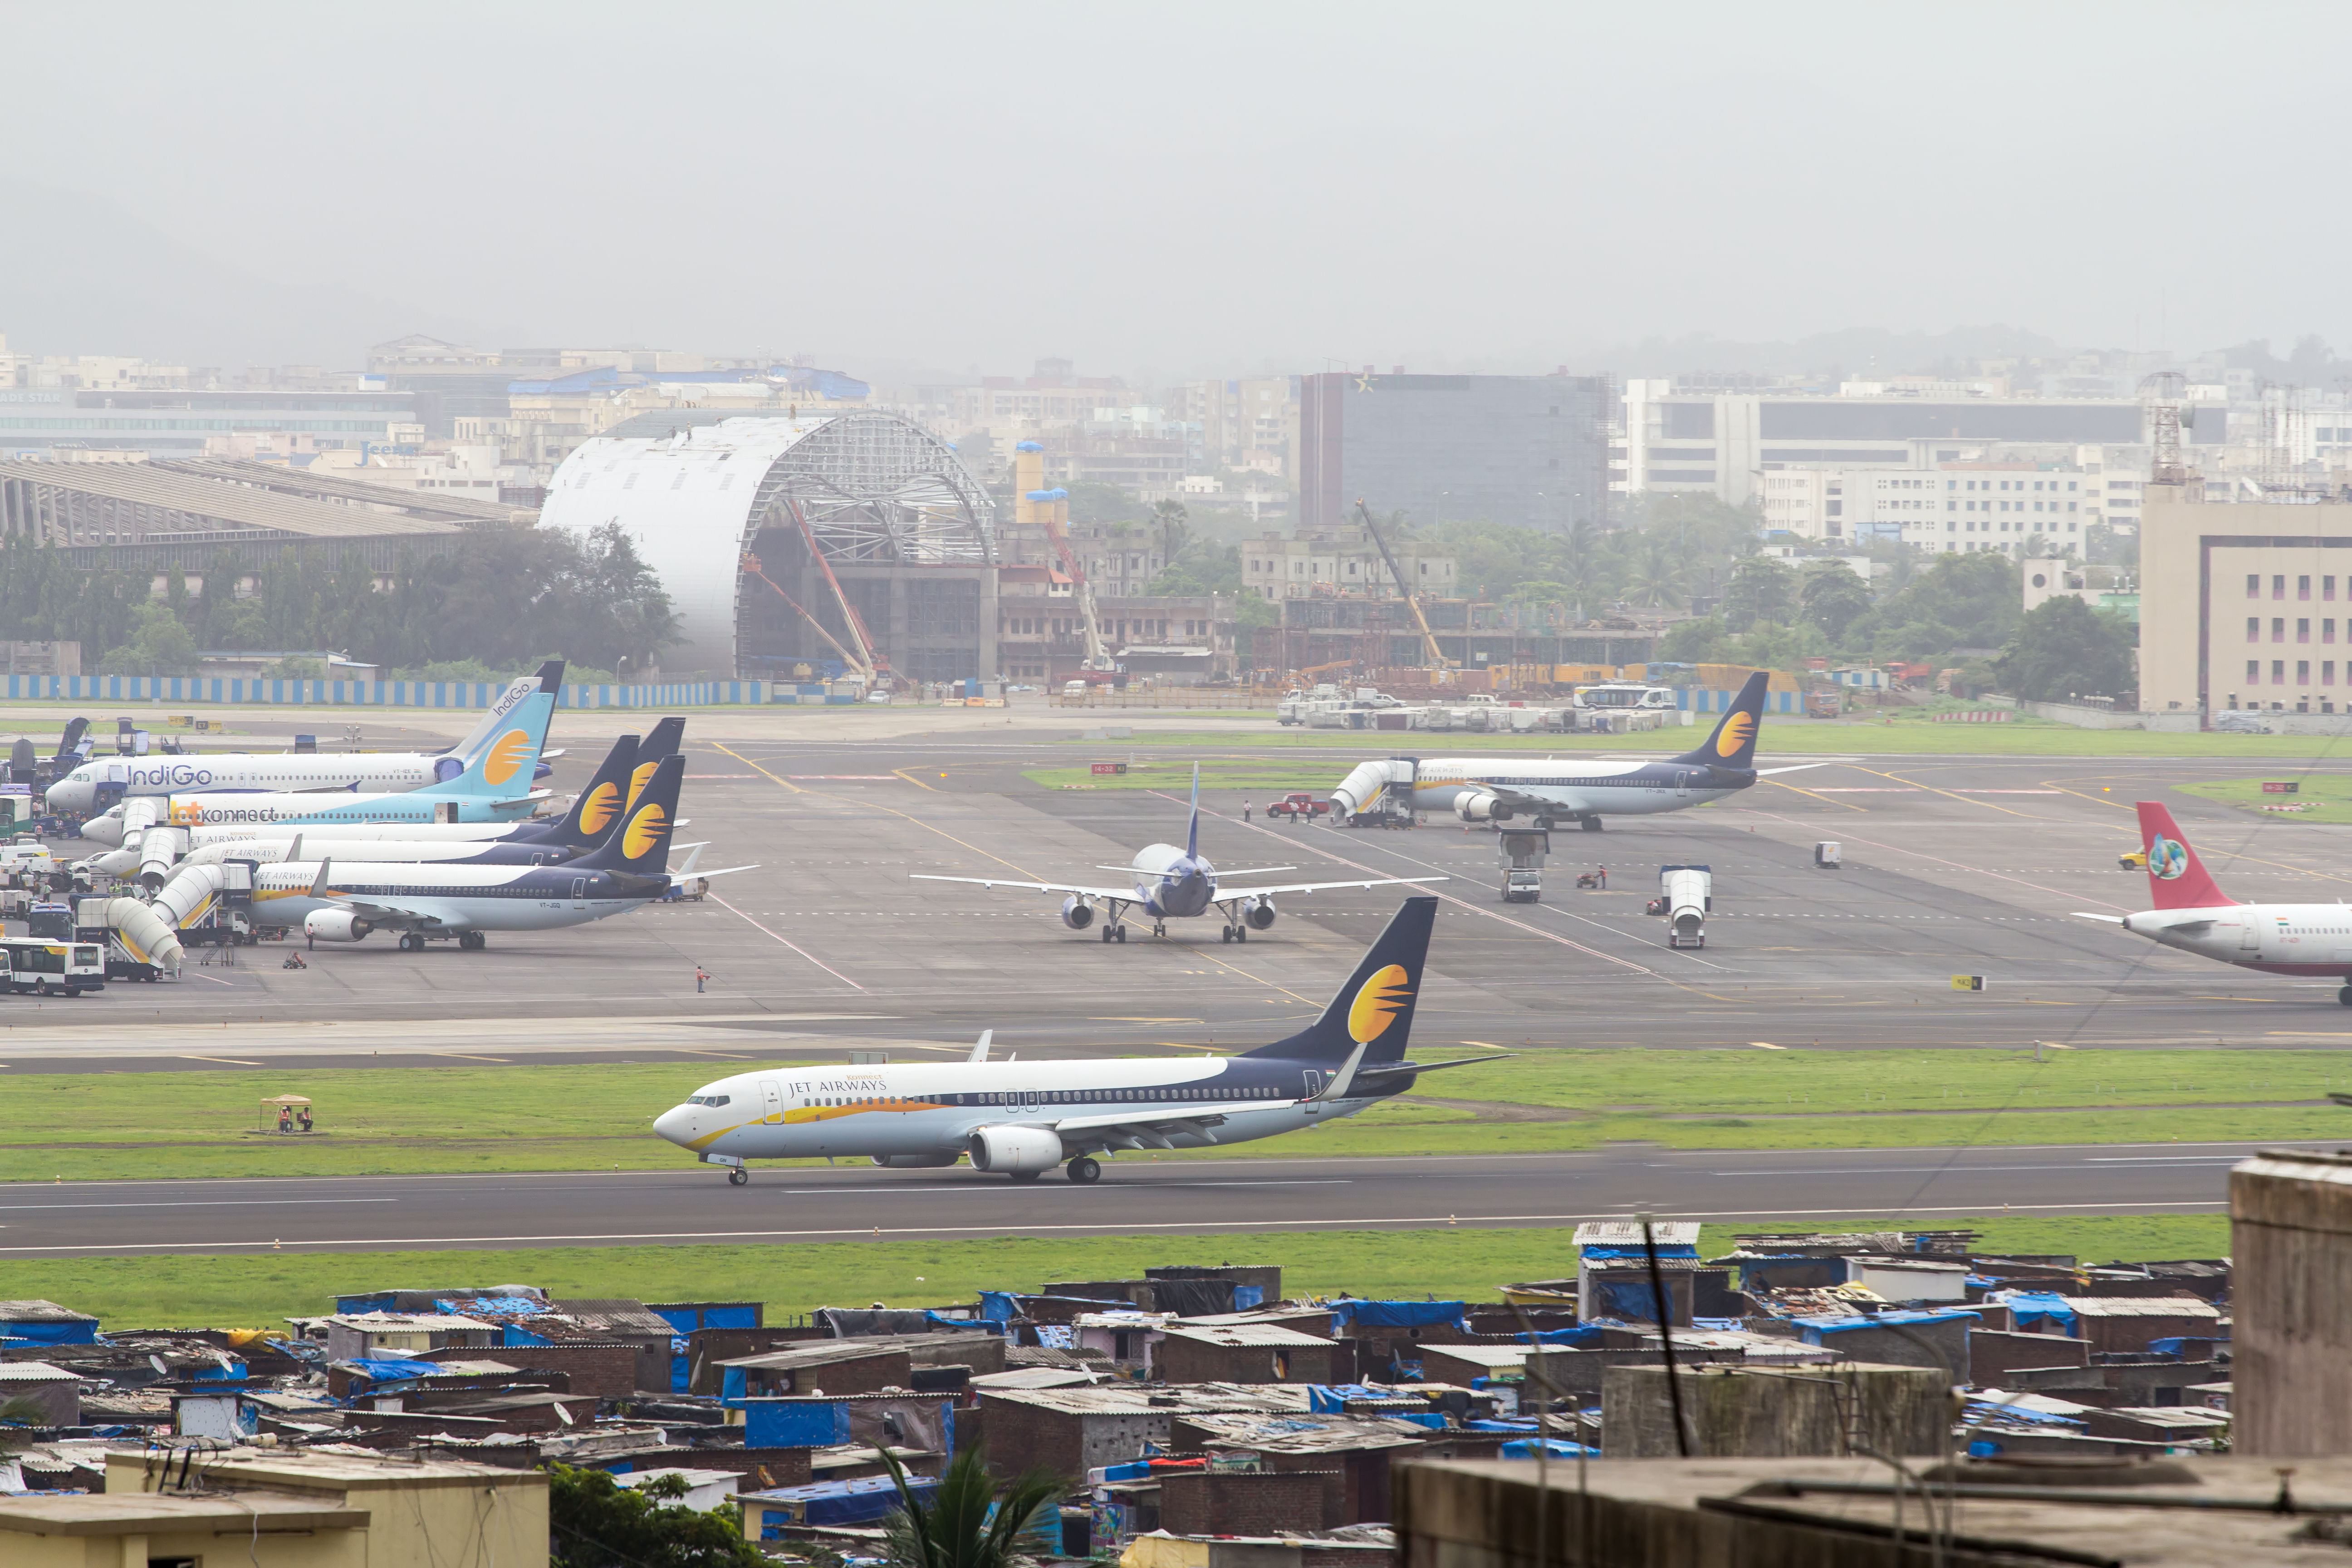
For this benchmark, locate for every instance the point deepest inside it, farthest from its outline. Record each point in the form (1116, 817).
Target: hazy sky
(1213, 186)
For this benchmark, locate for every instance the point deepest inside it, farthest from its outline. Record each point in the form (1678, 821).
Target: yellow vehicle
(2136, 860)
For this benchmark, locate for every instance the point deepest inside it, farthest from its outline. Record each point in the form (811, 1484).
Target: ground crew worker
(701, 975)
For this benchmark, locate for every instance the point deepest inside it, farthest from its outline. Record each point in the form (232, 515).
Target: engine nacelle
(1481, 806)
(918, 1161)
(1259, 912)
(335, 925)
(1016, 1149)
(1077, 913)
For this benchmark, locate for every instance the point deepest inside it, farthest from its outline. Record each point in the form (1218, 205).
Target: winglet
(318, 882)
(294, 850)
(980, 1051)
(1193, 833)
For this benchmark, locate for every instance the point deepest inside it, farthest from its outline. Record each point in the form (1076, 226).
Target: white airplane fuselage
(2277, 939)
(458, 897)
(1576, 786)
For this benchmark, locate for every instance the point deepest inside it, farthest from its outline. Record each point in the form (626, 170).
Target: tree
(1204, 568)
(597, 1524)
(159, 644)
(1175, 528)
(1762, 589)
(956, 1529)
(2064, 648)
(1961, 600)
(1833, 597)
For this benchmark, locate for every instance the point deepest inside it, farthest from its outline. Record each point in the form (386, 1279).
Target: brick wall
(1202, 1502)
(1179, 1359)
(1992, 1354)
(602, 1371)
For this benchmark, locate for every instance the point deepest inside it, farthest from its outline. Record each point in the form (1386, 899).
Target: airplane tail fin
(639, 841)
(2175, 875)
(1192, 829)
(592, 817)
(72, 737)
(500, 756)
(1733, 743)
(1374, 1009)
(661, 742)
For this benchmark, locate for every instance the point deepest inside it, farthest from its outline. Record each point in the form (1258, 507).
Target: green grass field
(1900, 733)
(415, 1121)
(2325, 798)
(260, 1291)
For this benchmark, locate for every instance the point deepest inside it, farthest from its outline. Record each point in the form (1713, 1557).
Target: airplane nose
(674, 1123)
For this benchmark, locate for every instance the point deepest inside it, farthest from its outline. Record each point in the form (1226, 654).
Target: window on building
(2303, 672)
(2327, 630)
(2253, 585)
(2278, 586)
(2327, 588)
(2254, 628)
(2303, 587)
(2253, 674)
(2278, 672)
(2302, 628)
(2327, 672)
(2278, 628)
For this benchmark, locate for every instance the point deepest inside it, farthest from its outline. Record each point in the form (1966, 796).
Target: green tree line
(505, 597)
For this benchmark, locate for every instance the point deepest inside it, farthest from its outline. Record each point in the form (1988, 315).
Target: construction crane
(862, 668)
(1049, 507)
(1429, 639)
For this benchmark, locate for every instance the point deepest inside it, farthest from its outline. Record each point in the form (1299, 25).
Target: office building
(1530, 450)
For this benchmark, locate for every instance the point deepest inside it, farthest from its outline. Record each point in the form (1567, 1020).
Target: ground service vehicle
(1522, 887)
(1298, 804)
(49, 968)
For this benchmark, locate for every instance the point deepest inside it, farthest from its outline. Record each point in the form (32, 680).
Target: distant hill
(80, 275)
(1858, 353)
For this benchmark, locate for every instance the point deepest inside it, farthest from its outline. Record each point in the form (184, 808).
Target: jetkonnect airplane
(1548, 790)
(2194, 915)
(97, 784)
(1018, 1117)
(1169, 883)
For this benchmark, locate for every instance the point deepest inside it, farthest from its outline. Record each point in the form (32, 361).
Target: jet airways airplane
(1018, 1118)
(96, 785)
(347, 901)
(1168, 883)
(1548, 790)
(2194, 915)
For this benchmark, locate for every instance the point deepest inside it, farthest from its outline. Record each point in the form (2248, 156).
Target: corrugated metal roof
(1628, 1233)
(1195, 1398)
(41, 1313)
(35, 1372)
(2142, 1306)
(1242, 1334)
(230, 506)
(285, 480)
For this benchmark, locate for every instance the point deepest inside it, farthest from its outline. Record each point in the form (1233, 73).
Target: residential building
(1339, 561)
(1519, 449)
(1247, 424)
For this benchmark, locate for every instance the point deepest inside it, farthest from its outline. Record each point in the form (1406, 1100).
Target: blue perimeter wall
(475, 695)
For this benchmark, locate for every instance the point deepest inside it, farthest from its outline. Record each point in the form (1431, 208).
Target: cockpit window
(709, 1099)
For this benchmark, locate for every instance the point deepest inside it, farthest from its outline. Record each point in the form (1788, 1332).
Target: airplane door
(771, 1099)
(578, 892)
(1682, 784)
(1314, 1086)
(2250, 937)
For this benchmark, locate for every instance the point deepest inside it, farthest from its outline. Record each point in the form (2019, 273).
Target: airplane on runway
(1547, 790)
(427, 900)
(2194, 915)
(1018, 1117)
(1168, 883)
(516, 721)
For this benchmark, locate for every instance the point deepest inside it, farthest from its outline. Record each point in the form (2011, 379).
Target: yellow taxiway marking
(916, 782)
(1964, 800)
(1824, 799)
(1767, 1045)
(463, 1057)
(1488, 1044)
(1117, 1020)
(231, 1061)
(724, 1056)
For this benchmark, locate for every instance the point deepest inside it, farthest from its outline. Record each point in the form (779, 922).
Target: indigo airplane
(1168, 883)
(517, 722)
(2194, 915)
(1551, 790)
(1018, 1118)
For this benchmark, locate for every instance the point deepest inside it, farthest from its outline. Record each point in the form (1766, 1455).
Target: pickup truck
(1298, 804)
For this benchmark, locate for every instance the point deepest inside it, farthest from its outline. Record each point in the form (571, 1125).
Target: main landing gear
(2345, 996)
(1236, 933)
(738, 1177)
(1591, 824)
(1085, 1168)
(1114, 933)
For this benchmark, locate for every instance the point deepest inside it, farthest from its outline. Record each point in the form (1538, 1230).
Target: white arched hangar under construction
(800, 539)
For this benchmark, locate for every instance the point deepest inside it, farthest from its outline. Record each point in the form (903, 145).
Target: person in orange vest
(701, 975)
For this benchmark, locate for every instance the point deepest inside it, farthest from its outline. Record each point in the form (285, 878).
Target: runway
(1914, 1187)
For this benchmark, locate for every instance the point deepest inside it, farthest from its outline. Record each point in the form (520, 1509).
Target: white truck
(1685, 897)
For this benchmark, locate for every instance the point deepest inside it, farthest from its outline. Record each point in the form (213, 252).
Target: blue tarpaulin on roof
(388, 1369)
(516, 1334)
(793, 1424)
(1331, 1398)
(1556, 1448)
(2037, 1306)
(1628, 1299)
(80, 1333)
(998, 1307)
(1581, 1334)
(860, 1502)
(1815, 1328)
(491, 1305)
(1663, 1251)
(2182, 1346)
(1397, 1314)
(1499, 1426)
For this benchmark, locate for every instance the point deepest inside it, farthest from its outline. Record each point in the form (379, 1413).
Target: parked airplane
(1168, 883)
(516, 722)
(1018, 1118)
(346, 901)
(2194, 915)
(1572, 788)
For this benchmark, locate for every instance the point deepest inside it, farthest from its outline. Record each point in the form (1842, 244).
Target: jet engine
(1259, 912)
(1016, 1149)
(1078, 912)
(919, 1162)
(335, 925)
(1481, 806)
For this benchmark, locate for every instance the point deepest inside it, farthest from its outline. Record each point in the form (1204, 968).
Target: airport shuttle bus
(39, 966)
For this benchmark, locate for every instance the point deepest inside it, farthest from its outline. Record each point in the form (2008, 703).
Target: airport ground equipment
(1298, 805)
(1829, 856)
(1687, 896)
(38, 966)
(1521, 851)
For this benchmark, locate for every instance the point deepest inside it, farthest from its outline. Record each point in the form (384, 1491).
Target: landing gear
(1241, 933)
(411, 943)
(472, 942)
(1085, 1169)
(1121, 931)
(1160, 927)
(738, 1177)
(1543, 824)
(2345, 996)
(1590, 824)
(1024, 1176)
(1106, 933)
(1226, 934)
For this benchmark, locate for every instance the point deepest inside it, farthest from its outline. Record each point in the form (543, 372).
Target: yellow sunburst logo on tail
(602, 804)
(646, 830)
(644, 770)
(1736, 732)
(506, 758)
(1377, 1003)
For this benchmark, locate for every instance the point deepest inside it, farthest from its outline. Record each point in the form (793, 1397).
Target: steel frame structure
(875, 488)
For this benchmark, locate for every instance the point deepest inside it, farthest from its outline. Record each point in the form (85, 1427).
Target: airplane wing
(1132, 1129)
(1125, 895)
(422, 915)
(722, 871)
(1792, 768)
(1225, 894)
(1251, 871)
(2106, 919)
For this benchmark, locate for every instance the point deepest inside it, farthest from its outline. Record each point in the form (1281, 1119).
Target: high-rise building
(1520, 449)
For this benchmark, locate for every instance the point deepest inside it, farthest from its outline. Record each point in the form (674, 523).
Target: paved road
(1917, 1186)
